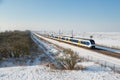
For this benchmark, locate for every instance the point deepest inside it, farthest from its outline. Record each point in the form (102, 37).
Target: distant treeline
(15, 44)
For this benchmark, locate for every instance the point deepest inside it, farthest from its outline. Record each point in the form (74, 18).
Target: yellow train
(89, 43)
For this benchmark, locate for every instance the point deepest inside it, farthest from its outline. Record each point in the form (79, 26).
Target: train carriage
(89, 43)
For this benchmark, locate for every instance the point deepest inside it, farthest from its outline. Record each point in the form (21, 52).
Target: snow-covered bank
(46, 49)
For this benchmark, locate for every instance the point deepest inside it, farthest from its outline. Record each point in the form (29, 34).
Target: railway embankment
(90, 54)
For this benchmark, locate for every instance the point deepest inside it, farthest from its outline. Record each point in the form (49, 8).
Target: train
(88, 43)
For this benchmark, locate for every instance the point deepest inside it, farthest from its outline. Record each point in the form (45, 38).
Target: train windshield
(92, 41)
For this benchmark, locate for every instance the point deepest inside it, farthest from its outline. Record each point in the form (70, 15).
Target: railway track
(101, 51)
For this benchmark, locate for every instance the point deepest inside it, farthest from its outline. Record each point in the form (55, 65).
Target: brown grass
(15, 44)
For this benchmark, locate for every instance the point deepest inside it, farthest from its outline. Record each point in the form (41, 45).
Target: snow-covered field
(39, 72)
(111, 61)
(34, 69)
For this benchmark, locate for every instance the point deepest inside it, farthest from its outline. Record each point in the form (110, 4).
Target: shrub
(68, 60)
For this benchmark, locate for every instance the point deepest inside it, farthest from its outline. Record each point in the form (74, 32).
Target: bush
(68, 60)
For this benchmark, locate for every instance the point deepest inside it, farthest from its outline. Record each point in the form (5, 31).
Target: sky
(64, 15)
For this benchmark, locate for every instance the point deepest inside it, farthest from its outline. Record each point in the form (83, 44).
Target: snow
(97, 57)
(46, 48)
(40, 72)
(35, 70)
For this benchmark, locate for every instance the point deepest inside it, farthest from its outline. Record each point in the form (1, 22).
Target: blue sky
(66, 15)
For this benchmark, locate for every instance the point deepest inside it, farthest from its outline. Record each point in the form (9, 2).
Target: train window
(81, 42)
(87, 43)
(73, 40)
(63, 38)
(84, 42)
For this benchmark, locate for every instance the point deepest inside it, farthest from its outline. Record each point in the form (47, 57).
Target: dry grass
(16, 44)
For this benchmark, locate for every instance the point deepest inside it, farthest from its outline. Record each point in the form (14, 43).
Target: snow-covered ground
(103, 59)
(34, 69)
(39, 72)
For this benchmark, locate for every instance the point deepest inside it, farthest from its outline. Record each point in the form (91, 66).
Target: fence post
(105, 65)
(114, 67)
(88, 58)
